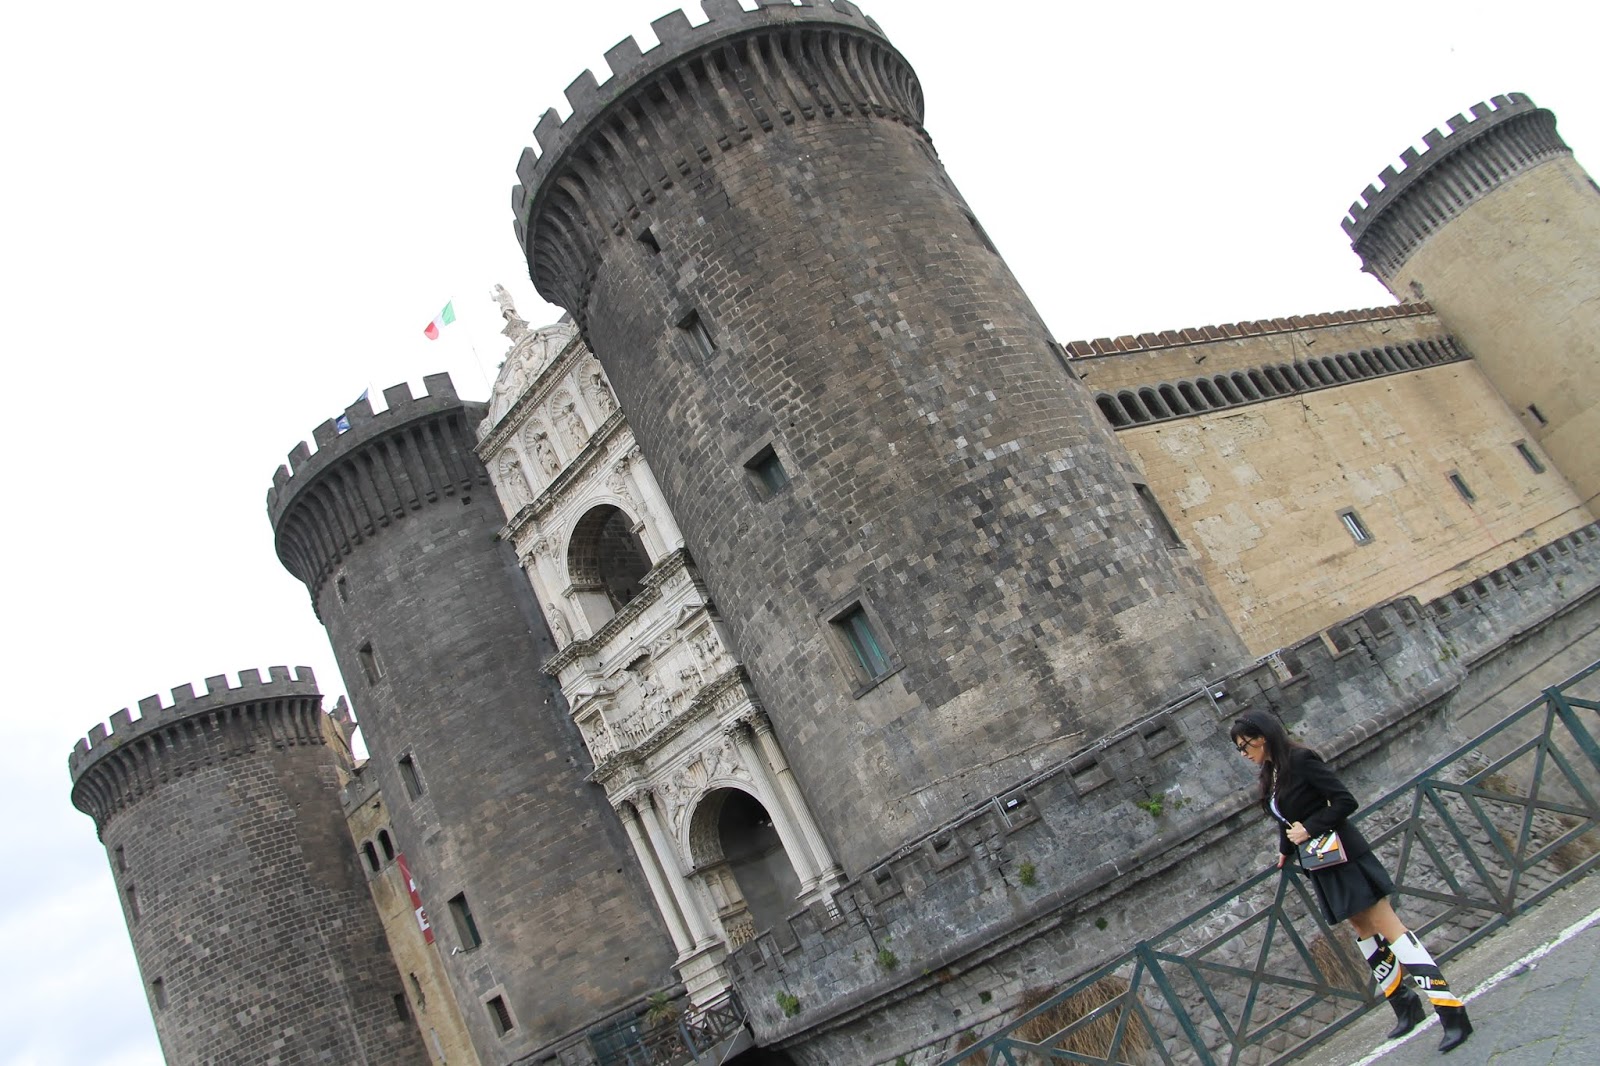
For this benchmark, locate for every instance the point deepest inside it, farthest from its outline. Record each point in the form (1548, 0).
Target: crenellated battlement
(361, 479)
(1504, 137)
(1259, 327)
(663, 114)
(113, 767)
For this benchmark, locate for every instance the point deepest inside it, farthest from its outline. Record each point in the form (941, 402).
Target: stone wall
(943, 932)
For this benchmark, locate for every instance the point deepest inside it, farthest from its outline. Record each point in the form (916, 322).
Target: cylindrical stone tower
(522, 866)
(1497, 226)
(250, 917)
(930, 551)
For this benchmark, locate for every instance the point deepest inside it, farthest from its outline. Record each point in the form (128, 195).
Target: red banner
(416, 900)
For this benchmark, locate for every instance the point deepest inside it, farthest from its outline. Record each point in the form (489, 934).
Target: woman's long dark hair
(1252, 724)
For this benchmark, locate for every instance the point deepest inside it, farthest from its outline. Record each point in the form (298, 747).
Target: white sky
(220, 222)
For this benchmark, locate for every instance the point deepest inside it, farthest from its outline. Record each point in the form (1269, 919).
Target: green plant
(888, 959)
(659, 1009)
(789, 1004)
(1028, 874)
(1101, 923)
(985, 997)
(1154, 806)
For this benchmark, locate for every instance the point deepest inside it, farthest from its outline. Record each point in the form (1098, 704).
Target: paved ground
(1533, 993)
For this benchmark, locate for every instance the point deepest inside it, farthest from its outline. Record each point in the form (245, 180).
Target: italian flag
(442, 319)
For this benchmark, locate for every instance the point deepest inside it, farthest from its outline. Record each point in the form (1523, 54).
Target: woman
(1303, 796)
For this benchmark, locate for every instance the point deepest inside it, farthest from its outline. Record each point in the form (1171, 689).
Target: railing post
(1570, 719)
(1147, 958)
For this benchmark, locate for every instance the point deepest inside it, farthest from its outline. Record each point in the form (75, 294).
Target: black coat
(1318, 800)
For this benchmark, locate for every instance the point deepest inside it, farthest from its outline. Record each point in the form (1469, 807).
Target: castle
(798, 588)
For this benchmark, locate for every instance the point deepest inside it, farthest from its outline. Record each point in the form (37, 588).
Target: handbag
(1320, 853)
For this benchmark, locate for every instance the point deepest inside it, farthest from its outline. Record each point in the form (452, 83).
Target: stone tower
(393, 528)
(932, 555)
(248, 912)
(1495, 224)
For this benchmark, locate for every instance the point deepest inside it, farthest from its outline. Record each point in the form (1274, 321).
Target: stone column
(794, 843)
(821, 857)
(681, 890)
(652, 873)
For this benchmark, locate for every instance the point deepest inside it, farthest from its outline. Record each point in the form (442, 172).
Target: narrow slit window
(1152, 507)
(122, 859)
(369, 663)
(344, 589)
(158, 992)
(1528, 457)
(501, 1015)
(768, 471)
(372, 856)
(133, 902)
(695, 327)
(1461, 487)
(1538, 415)
(466, 928)
(1355, 527)
(648, 239)
(861, 638)
(410, 777)
(386, 842)
(402, 1009)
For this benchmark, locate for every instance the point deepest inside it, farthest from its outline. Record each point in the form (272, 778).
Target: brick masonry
(946, 472)
(393, 527)
(256, 938)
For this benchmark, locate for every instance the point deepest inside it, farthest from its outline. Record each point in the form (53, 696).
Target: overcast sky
(221, 222)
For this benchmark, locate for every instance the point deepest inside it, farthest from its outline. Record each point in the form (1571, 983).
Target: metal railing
(1257, 976)
(692, 1035)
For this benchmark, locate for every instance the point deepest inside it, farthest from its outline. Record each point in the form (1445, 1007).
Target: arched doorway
(738, 854)
(606, 562)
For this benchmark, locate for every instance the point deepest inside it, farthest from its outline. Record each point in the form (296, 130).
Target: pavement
(1532, 992)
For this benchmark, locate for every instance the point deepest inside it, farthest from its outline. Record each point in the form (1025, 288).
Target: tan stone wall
(435, 1011)
(1517, 279)
(1255, 492)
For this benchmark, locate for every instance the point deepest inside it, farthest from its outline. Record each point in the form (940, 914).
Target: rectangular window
(1461, 486)
(466, 928)
(369, 663)
(697, 331)
(1152, 507)
(857, 633)
(1355, 527)
(501, 1015)
(768, 471)
(1528, 457)
(122, 860)
(133, 902)
(158, 992)
(409, 777)
(402, 1010)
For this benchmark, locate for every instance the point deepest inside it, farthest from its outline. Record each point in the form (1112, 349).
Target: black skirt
(1351, 887)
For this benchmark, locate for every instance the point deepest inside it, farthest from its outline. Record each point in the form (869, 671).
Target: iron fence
(1257, 976)
(676, 1035)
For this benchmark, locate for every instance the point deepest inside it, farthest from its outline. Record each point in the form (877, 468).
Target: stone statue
(515, 327)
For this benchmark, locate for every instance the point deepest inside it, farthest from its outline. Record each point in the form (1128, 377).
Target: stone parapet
(369, 471)
(114, 768)
(1181, 338)
(721, 83)
(1505, 137)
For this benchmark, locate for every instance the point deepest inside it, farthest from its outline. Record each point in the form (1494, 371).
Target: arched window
(1169, 396)
(1132, 407)
(387, 844)
(1192, 398)
(606, 563)
(1348, 365)
(372, 855)
(1226, 387)
(1209, 391)
(1391, 362)
(1412, 357)
(1279, 383)
(1260, 384)
(1152, 403)
(1332, 367)
(1109, 408)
